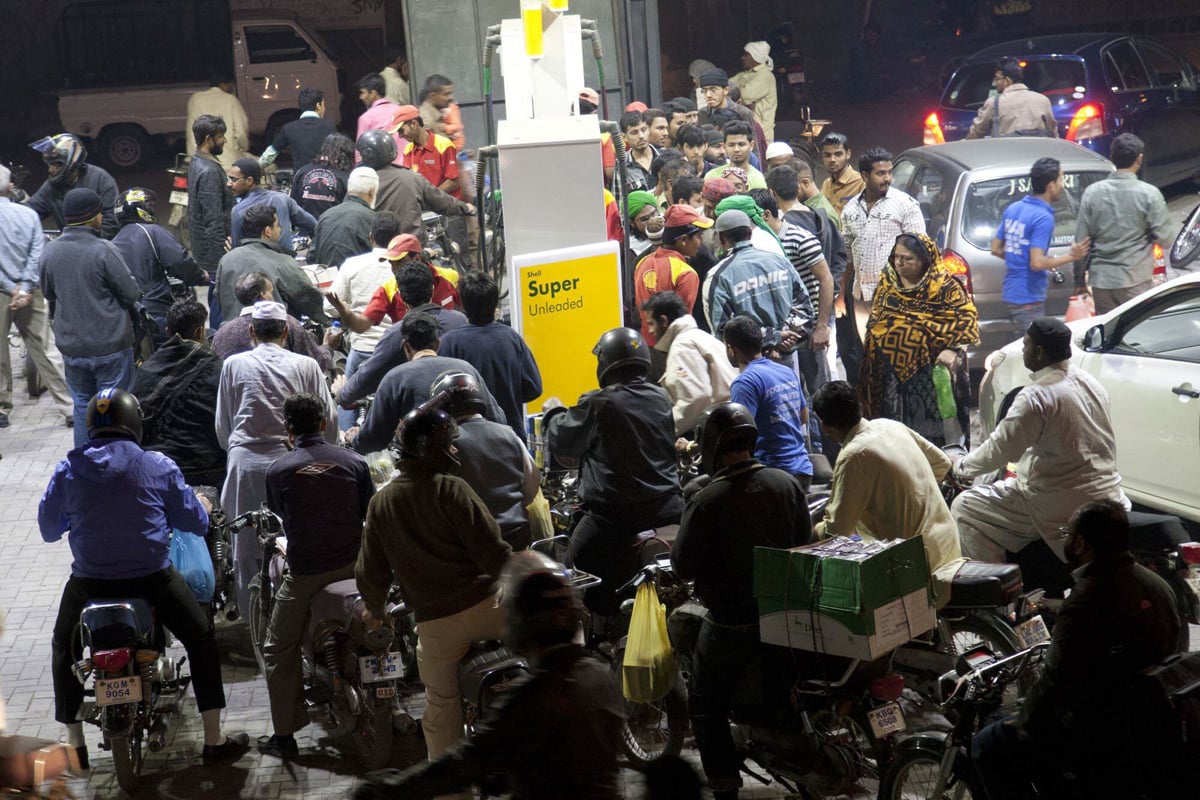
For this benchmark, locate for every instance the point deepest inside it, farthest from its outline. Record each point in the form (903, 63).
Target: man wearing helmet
(495, 462)
(119, 503)
(402, 191)
(66, 160)
(623, 436)
(152, 255)
(557, 735)
(431, 534)
(746, 505)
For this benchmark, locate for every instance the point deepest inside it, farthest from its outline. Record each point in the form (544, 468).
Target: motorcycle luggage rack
(581, 580)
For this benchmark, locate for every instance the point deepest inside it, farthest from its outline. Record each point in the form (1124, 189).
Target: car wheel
(125, 147)
(1187, 243)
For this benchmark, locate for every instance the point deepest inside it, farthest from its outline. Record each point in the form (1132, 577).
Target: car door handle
(1186, 391)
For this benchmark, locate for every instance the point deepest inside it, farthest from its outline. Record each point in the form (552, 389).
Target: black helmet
(725, 426)
(427, 434)
(114, 412)
(620, 347)
(68, 151)
(541, 608)
(136, 205)
(377, 148)
(461, 391)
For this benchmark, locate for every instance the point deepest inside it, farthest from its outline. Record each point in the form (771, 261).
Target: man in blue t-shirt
(1022, 240)
(772, 393)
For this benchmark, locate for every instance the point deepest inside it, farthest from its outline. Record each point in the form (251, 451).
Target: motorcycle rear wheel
(259, 618)
(127, 758)
(653, 730)
(371, 739)
(913, 776)
(974, 630)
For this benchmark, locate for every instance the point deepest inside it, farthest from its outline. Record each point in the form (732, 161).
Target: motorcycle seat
(105, 622)
(334, 602)
(981, 585)
(1155, 533)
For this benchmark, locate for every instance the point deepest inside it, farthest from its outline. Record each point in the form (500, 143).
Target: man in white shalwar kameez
(250, 424)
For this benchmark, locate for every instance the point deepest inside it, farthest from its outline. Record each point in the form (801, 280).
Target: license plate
(371, 669)
(114, 691)
(1032, 631)
(385, 691)
(179, 198)
(886, 720)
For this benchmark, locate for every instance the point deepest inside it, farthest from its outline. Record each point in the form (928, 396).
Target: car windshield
(1060, 79)
(986, 201)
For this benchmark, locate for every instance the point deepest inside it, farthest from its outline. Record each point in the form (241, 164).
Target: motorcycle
(177, 218)
(937, 764)
(814, 735)
(437, 244)
(137, 686)
(220, 548)
(351, 673)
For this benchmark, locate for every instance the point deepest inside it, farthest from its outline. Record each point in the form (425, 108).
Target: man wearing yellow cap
(757, 82)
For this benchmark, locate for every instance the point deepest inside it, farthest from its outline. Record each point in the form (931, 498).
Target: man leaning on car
(1124, 216)
(1016, 110)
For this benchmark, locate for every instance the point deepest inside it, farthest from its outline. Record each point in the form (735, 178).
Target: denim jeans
(1021, 315)
(348, 416)
(87, 375)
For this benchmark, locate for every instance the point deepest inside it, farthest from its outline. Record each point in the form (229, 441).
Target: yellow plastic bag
(648, 670)
(541, 526)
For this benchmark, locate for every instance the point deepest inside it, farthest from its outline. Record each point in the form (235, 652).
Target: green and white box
(844, 597)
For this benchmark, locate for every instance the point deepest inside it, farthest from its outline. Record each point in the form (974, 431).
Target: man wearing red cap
(428, 153)
(667, 269)
(589, 103)
(387, 301)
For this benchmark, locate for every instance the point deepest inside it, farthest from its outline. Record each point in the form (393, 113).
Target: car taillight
(957, 266)
(180, 182)
(1160, 265)
(111, 660)
(1088, 123)
(890, 687)
(933, 130)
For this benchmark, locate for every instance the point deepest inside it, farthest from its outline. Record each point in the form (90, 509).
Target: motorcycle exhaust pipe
(157, 737)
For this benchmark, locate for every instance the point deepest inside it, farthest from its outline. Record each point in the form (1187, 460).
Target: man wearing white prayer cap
(757, 83)
(250, 424)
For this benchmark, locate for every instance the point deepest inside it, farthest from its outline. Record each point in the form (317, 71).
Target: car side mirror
(1093, 340)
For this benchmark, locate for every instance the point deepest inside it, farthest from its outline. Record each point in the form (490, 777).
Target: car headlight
(994, 360)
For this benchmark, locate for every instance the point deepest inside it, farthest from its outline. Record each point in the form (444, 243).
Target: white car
(1146, 354)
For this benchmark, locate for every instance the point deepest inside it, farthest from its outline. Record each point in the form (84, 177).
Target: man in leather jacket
(210, 202)
(1089, 712)
(555, 735)
(623, 437)
(746, 505)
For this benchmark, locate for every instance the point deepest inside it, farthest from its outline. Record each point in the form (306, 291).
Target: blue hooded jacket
(119, 503)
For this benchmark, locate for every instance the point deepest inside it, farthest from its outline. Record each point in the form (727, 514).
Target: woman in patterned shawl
(920, 317)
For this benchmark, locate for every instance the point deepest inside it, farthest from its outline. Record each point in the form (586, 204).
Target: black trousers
(174, 605)
(850, 346)
(723, 654)
(604, 543)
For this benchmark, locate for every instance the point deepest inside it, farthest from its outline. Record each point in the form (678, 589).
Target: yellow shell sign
(563, 300)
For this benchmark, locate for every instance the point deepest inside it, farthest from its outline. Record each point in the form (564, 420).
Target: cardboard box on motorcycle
(844, 597)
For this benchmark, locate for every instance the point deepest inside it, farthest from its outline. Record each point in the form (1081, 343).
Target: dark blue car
(1099, 85)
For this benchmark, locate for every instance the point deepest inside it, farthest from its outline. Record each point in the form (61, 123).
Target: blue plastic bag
(189, 554)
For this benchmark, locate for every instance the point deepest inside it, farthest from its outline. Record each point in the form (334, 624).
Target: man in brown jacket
(1016, 111)
(429, 530)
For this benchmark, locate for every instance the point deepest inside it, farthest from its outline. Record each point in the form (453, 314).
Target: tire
(125, 147)
(1187, 244)
(127, 758)
(371, 740)
(258, 617)
(653, 730)
(913, 775)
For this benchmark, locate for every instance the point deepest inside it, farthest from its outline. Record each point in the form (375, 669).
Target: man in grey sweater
(91, 295)
(407, 386)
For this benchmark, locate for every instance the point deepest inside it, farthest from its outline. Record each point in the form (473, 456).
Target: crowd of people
(795, 333)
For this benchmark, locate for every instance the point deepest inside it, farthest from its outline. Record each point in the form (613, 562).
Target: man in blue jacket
(119, 503)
